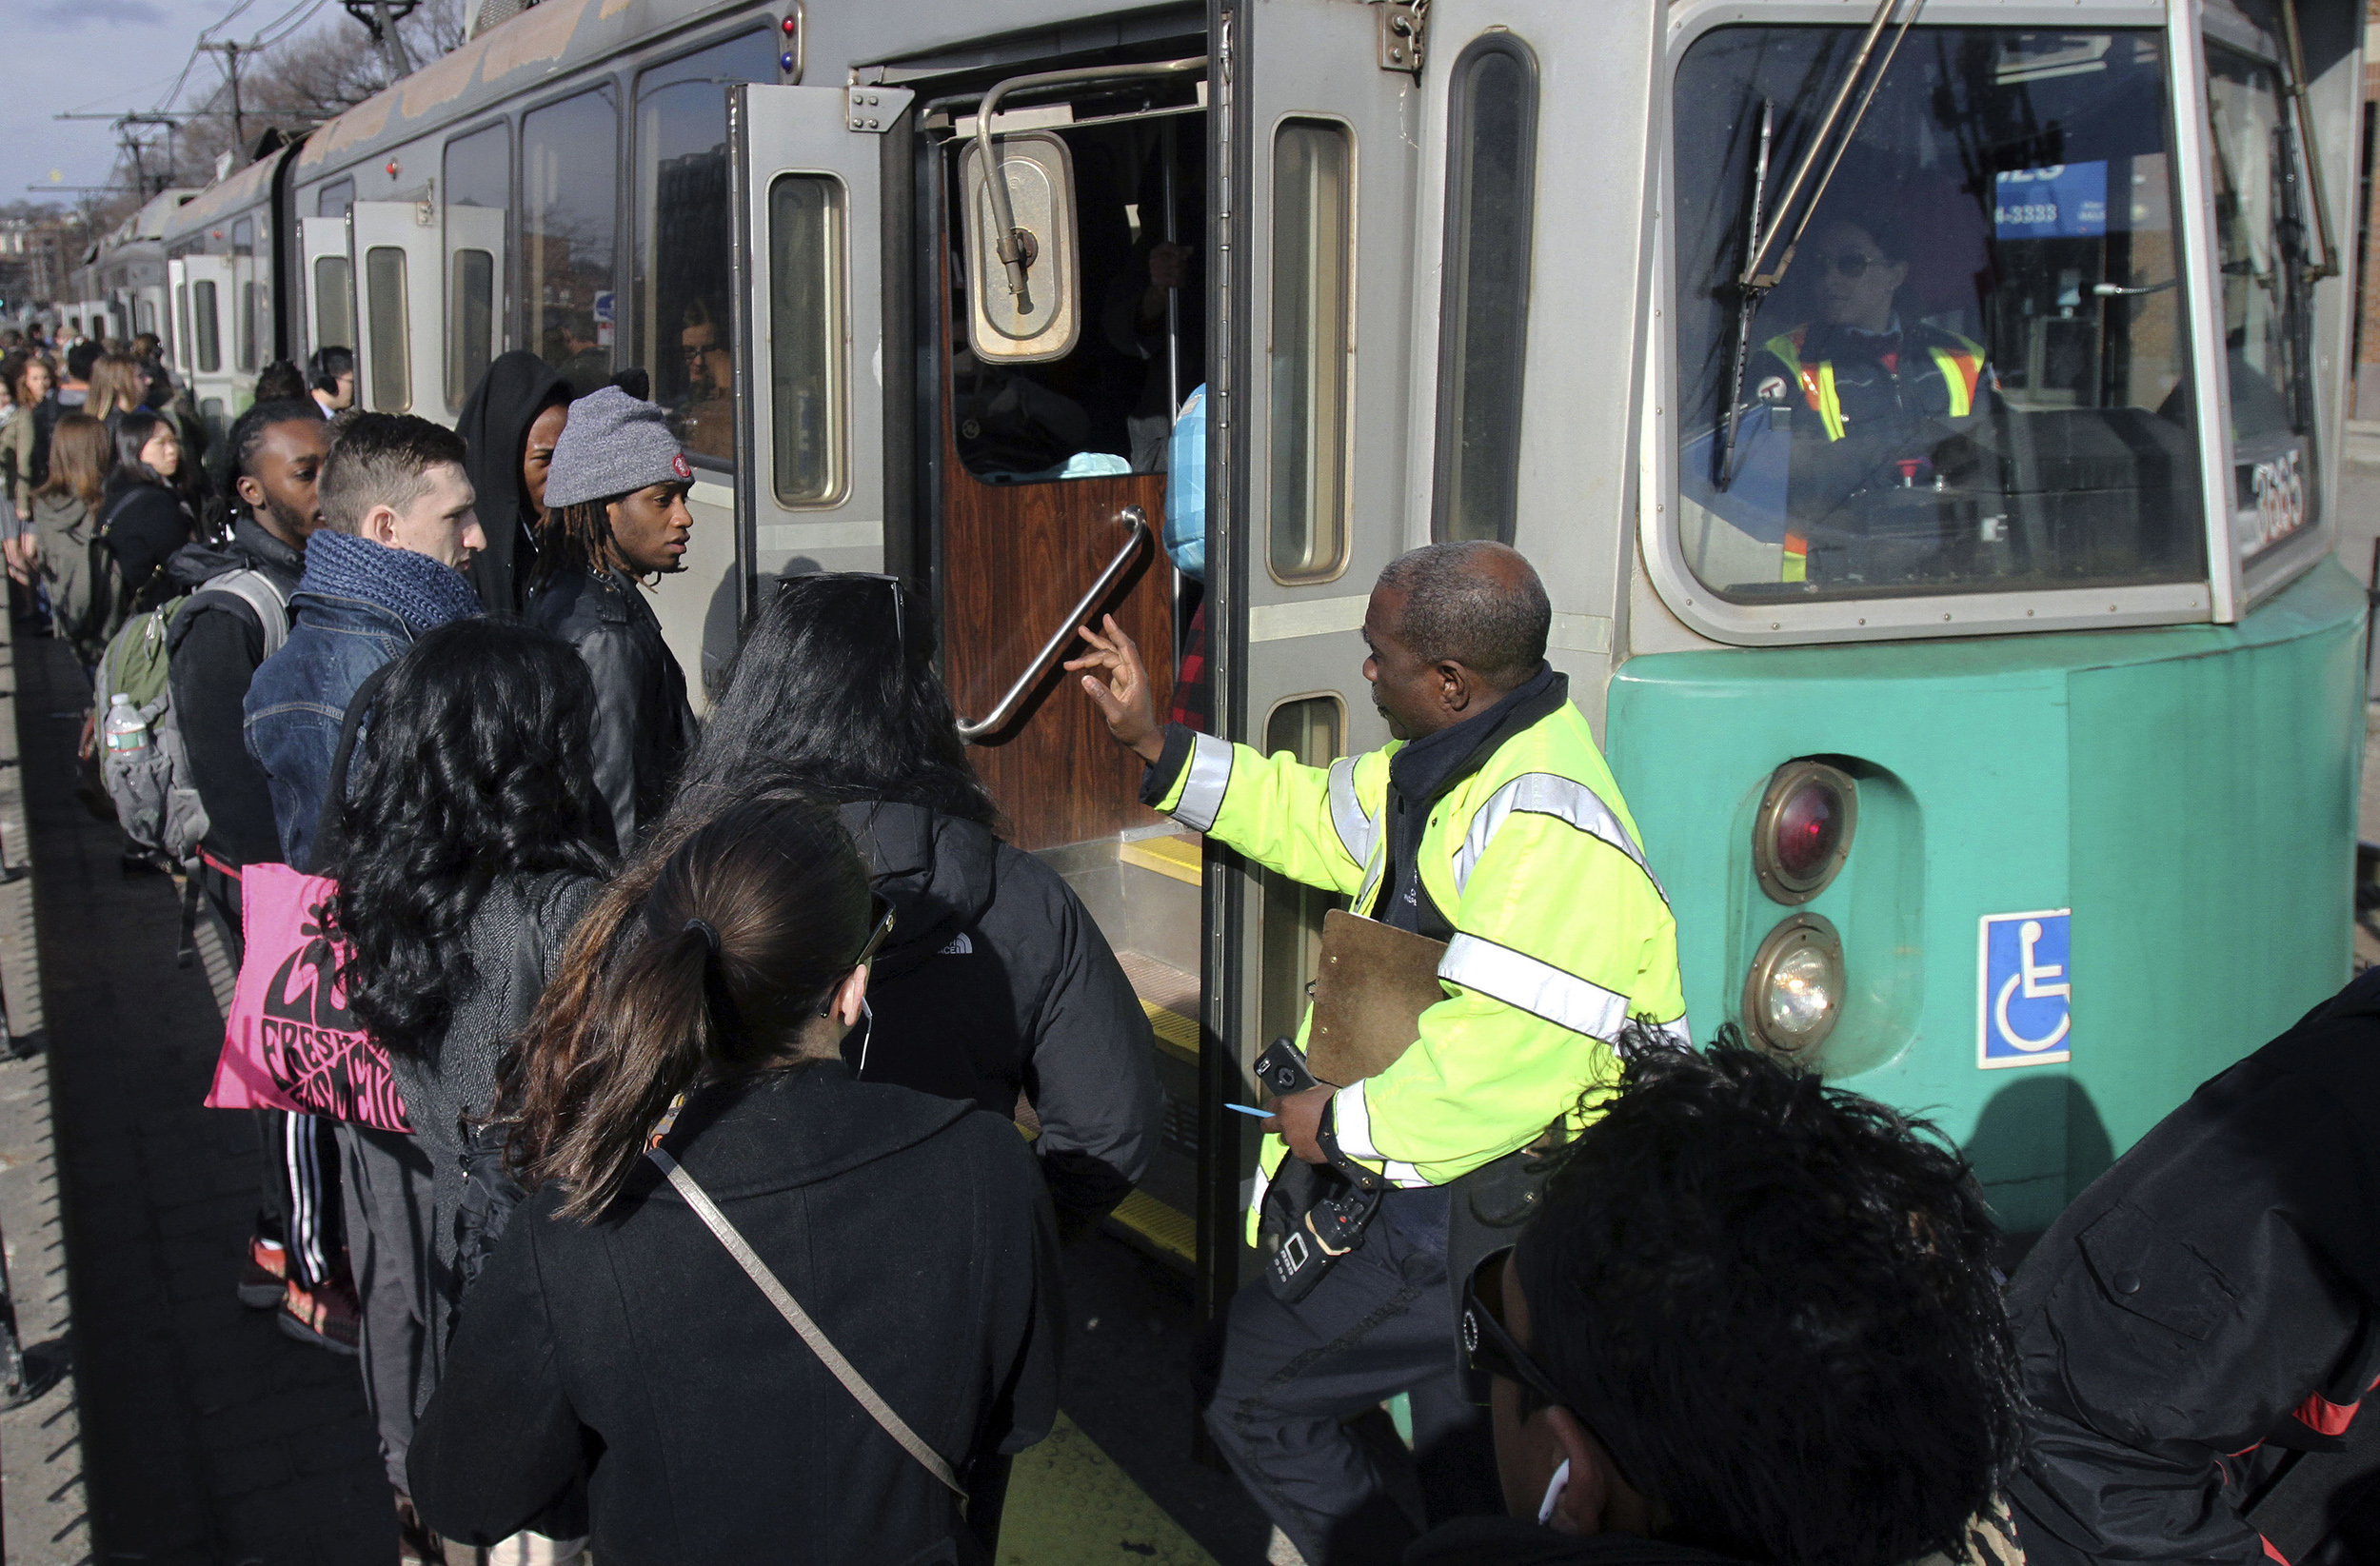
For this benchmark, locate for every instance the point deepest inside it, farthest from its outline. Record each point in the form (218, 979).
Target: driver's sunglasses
(1853, 263)
(1488, 1348)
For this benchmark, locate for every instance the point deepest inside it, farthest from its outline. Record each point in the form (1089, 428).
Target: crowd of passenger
(753, 1085)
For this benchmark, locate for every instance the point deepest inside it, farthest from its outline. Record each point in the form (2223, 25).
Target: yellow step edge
(1160, 1226)
(1070, 1505)
(1176, 1034)
(1168, 856)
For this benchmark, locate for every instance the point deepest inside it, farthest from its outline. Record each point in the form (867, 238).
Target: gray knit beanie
(612, 446)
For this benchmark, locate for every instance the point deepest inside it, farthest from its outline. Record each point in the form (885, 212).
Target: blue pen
(1260, 1114)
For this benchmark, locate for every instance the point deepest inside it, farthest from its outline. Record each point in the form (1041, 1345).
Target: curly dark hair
(579, 538)
(1773, 1301)
(475, 765)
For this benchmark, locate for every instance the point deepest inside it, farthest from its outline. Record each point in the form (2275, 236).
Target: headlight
(1794, 991)
(1803, 831)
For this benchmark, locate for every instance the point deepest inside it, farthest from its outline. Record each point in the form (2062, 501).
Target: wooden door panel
(1015, 558)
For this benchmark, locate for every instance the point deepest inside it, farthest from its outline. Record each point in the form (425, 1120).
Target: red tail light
(1803, 831)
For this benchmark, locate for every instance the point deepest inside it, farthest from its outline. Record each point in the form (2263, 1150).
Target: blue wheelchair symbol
(2025, 996)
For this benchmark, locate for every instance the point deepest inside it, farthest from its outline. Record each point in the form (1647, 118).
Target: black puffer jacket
(635, 1353)
(998, 982)
(2205, 1313)
(212, 649)
(643, 723)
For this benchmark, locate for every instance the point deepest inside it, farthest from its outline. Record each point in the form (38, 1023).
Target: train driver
(1491, 824)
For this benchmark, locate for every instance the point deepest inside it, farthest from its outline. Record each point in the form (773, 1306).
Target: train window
(250, 306)
(1312, 340)
(244, 237)
(334, 302)
(572, 183)
(1972, 376)
(477, 188)
(806, 316)
(185, 345)
(210, 326)
(2268, 308)
(1491, 172)
(1312, 728)
(384, 306)
(685, 319)
(333, 200)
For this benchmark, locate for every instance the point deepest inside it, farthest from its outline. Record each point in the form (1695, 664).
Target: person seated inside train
(703, 413)
(512, 422)
(615, 495)
(996, 985)
(2197, 1327)
(330, 377)
(1803, 1279)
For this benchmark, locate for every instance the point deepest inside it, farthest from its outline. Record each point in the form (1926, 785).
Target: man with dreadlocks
(615, 496)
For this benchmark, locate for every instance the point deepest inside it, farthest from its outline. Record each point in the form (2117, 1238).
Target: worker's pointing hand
(1123, 696)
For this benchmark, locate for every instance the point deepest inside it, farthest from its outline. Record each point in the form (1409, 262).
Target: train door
(397, 360)
(213, 374)
(329, 284)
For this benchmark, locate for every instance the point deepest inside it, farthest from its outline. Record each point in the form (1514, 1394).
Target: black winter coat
(2207, 1306)
(634, 1352)
(212, 649)
(142, 524)
(997, 982)
(643, 723)
(495, 427)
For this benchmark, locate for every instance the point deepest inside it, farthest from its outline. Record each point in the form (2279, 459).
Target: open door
(809, 327)
(397, 359)
(330, 285)
(214, 377)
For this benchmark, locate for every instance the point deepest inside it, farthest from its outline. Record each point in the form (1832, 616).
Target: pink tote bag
(290, 1042)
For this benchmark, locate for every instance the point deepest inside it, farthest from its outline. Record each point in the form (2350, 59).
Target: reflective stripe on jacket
(1561, 933)
(1958, 362)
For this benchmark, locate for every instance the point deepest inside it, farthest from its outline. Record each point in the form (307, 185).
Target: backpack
(150, 784)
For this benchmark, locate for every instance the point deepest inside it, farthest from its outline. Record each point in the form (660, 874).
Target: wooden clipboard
(1370, 990)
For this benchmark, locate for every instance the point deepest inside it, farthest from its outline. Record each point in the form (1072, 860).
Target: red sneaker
(264, 1275)
(328, 1317)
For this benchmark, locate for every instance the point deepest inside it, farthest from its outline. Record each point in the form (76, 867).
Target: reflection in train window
(334, 302)
(2268, 308)
(210, 326)
(333, 200)
(1106, 409)
(477, 188)
(805, 314)
(568, 218)
(1313, 729)
(1972, 377)
(383, 306)
(471, 324)
(251, 305)
(1312, 339)
(684, 317)
(1491, 169)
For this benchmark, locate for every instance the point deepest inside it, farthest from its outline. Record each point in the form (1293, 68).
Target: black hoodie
(495, 426)
(212, 649)
(997, 982)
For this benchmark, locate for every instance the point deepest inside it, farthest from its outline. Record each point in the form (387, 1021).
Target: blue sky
(91, 54)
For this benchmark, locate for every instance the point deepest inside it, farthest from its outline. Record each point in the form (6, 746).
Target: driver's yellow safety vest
(1960, 363)
(1561, 933)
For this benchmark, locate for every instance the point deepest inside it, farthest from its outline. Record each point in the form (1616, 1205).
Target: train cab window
(1491, 172)
(335, 199)
(1309, 366)
(1105, 407)
(805, 311)
(334, 302)
(570, 182)
(684, 314)
(209, 337)
(1972, 376)
(2268, 308)
(476, 189)
(384, 306)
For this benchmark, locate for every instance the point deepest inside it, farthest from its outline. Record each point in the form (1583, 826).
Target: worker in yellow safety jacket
(1489, 823)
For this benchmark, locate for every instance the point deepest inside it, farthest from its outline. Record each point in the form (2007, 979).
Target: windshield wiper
(1753, 283)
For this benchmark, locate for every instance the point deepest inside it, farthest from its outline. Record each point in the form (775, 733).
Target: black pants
(1381, 1323)
(298, 1201)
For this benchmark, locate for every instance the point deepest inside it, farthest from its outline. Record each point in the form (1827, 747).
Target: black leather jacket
(643, 723)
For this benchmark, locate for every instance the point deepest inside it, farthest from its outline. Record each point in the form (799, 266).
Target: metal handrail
(1006, 708)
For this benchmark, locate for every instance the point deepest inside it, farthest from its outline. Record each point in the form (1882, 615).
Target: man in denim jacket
(386, 567)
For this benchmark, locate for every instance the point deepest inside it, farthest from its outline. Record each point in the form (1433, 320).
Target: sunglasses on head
(1488, 1348)
(880, 928)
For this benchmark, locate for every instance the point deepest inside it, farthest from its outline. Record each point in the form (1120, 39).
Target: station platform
(206, 1435)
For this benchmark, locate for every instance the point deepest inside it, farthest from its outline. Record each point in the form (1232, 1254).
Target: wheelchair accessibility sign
(2024, 995)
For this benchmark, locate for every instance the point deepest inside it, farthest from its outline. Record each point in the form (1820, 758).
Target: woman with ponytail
(681, 1082)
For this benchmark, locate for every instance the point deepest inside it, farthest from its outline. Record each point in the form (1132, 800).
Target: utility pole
(230, 52)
